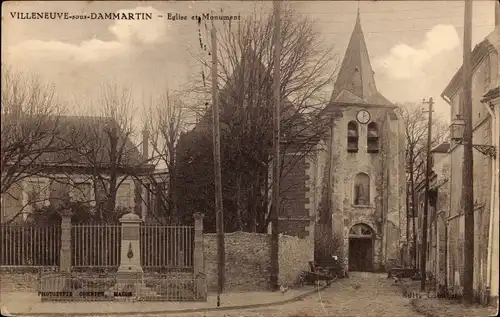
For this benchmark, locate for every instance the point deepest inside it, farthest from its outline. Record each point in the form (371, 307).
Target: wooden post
(408, 254)
(217, 168)
(413, 212)
(468, 162)
(276, 158)
(423, 253)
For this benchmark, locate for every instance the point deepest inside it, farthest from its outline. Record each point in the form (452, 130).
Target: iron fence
(95, 245)
(167, 246)
(29, 245)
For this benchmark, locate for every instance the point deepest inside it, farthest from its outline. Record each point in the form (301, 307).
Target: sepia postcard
(250, 158)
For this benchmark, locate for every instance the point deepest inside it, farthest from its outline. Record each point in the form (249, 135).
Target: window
(360, 230)
(487, 73)
(36, 194)
(362, 189)
(372, 138)
(82, 192)
(352, 137)
(11, 201)
(160, 203)
(124, 195)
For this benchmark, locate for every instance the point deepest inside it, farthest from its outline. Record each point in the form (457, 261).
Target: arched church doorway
(361, 248)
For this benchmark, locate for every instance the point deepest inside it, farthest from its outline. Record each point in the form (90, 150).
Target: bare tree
(164, 122)
(30, 142)
(245, 77)
(29, 126)
(415, 121)
(104, 145)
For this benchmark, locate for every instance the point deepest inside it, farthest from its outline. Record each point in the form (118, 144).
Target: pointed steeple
(355, 81)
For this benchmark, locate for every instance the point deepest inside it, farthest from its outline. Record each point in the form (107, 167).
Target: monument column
(130, 252)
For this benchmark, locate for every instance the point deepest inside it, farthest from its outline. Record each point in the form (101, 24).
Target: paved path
(28, 303)
(364, 294)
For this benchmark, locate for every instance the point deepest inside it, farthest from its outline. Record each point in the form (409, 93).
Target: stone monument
(130, 251)
(130, 276)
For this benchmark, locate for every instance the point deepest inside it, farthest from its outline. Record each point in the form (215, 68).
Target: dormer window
(352, 137)
(372, 138)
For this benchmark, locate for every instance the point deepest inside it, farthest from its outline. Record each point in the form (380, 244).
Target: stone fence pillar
(198, 257)
(65, 251)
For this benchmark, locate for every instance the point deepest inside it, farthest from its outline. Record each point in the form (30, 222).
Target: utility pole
(408, 251)
(217, 170)
(276, 158)
(329, 190)
(467, 175)
(413, 210)
(423, 251)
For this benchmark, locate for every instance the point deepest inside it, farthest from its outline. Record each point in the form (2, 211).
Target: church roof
(355, 82)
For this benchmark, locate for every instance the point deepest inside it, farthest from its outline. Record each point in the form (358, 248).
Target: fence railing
(29, 245)
(96, 245)
(167, 246)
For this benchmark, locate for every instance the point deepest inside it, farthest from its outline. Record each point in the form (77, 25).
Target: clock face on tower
(363, 116)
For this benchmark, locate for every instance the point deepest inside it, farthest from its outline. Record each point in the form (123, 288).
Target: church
(347, 197)
(364, 201)
(355, 185)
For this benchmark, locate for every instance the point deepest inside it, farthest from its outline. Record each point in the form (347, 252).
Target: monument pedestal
(130, 276)
(130, 273)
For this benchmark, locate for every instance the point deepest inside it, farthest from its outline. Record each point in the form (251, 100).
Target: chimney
(145, 145)
(497, 13)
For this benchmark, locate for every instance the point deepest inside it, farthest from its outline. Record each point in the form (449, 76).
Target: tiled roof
(88, 134)
(259, 73)
(355, 82)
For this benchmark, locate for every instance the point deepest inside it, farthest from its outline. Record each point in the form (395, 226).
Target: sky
(415, 46)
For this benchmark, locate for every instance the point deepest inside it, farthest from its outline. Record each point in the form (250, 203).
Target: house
(363, 170)
(78, 159)
(155, 190)
(485, 122)
(437, 210)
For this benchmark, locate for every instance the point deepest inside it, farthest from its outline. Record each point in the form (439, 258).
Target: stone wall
(247, 263)
(248, 260)
(19, 279)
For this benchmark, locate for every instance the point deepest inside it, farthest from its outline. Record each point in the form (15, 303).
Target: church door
(361, 248)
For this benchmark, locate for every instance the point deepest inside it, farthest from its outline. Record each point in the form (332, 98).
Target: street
(364, 294)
